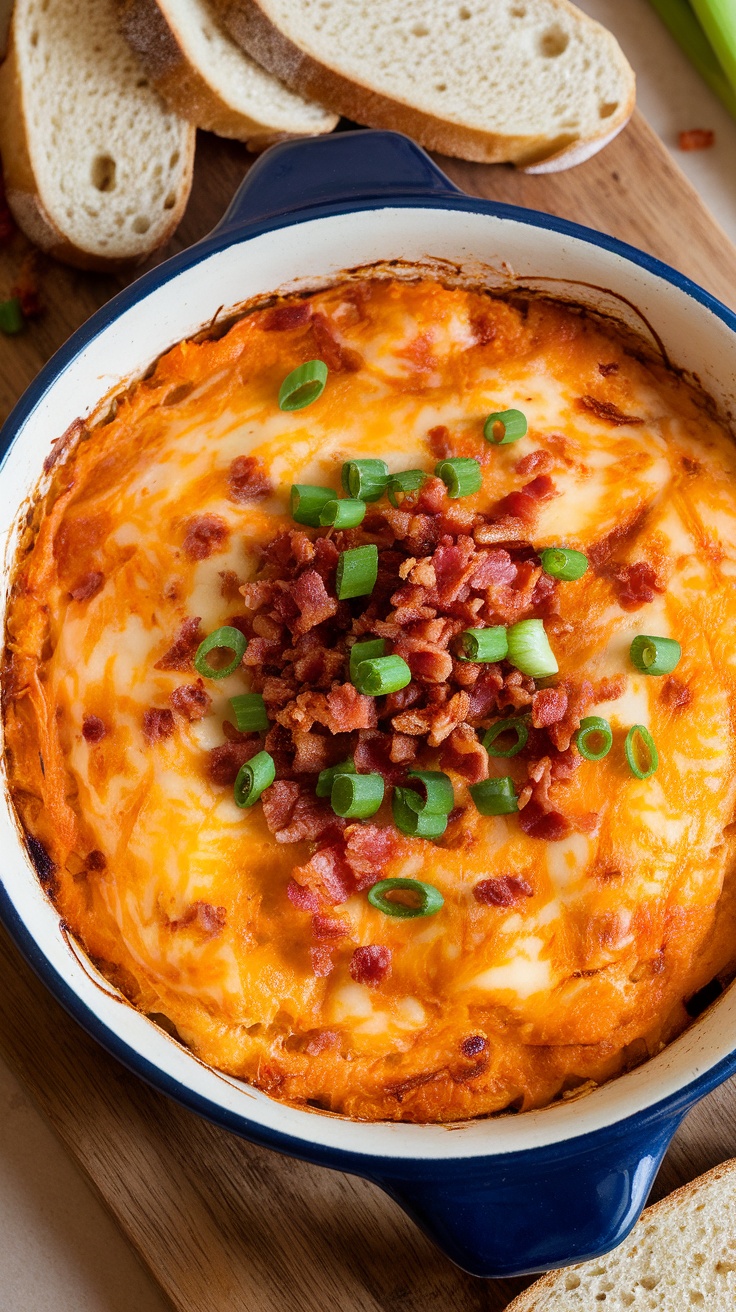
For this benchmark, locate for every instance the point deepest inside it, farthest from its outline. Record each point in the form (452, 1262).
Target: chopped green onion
(505, 426)
(11, 316)
(415, 823)
(484, 644)
(462, 476)
(357, 796)
(253, 778)
(357, 571)
(438, 798)
(529, 649)
(518, 727)
(654, 655)
(428, 899)
(228, 637)
(401, 485)
(365, 479)
(382, 674)
(250, 712)
(687, 31)
(594, 726)
(563, 563)
(308, 501)
(326, 778)
(365, 651)
(495, 796)
(342, 514)
(637, 738)
(303, 385)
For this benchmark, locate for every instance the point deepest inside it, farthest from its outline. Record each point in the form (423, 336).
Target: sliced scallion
(519, 728)
(495, 796)
(504, 426)
(250, 712)
(230, 639)
(529, 649)
(654, 655)
(365, 651)
(402, 485)
(326, 778)
(357, 796)
(462, 476)
(253, 778)
(345, 513)
(563, 563)
(484, 644)
(381, 675)
(365, 479)
(437, 797)
(303, 385)
(308, 501)
(594, 738)
(357, 571)
(425, 898)
(11, 316)
(415, 823)
(641, 752)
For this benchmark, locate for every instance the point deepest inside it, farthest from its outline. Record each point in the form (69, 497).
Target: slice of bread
(681, 1255)
(97, 169)
(202, 74)
(534, 82)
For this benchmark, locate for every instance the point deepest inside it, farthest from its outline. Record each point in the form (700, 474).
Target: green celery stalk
(685, 28)
(718, 21)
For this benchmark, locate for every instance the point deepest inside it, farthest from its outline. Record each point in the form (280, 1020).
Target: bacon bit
(180, 654)
(87, 586)
(312, 753)
(541, 488)
(326, 927)
(281, 318)
(536, 462)
(696, 139)
(548, 707)
(305, 899)
(503, 892)
(350, 709)
(606, 411)
(224, 761)
(338, 358)
(374, 754)
(463, 753)
(606, 369)
(247, 480)
(158, 723)
(675, 695)
(599, 553)
(293, 815)
(368, 849)
(209, 920)
(205, 535)
(230, 585)
(609, 690)
(371, 965)
(517, 505)
(314, 603)
(579, 698)
(493, 567)
(321, 959)
(326, 876)
(635, 584)
(95, 860)
(429, 664)
(474, 1045)
(549, 825)
(93, 729)
(191, 700)
(439, 441)
(321, 1041)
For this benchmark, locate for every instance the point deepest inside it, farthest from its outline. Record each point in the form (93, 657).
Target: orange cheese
(626, 921)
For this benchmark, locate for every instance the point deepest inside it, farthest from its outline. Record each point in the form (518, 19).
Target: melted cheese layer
(583, 978)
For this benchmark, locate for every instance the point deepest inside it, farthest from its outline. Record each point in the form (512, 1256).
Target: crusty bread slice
(680, 1255)
(97, 169)
(202, 74)
(528, 81)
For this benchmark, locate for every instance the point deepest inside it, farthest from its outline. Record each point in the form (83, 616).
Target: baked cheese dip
(369, 699)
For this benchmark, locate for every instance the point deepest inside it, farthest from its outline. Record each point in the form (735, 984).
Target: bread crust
(528, 1300)
(146, 29)
(250, 26)
(25, 200)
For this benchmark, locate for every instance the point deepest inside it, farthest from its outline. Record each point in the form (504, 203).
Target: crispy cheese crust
(582, 966)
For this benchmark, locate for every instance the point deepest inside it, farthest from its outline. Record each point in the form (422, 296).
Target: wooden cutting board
(221, 1224)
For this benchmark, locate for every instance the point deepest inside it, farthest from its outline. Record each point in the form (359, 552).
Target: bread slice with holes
(680, 1255)
(202, 74)
(534, 82)
(97, 168)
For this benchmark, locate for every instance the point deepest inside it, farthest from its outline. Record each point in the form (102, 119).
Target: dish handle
(529, 1212)
(345, 167)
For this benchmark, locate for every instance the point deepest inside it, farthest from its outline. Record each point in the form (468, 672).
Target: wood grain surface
(221, 1224)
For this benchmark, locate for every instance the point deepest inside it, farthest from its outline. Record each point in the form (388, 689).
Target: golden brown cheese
(180, 896)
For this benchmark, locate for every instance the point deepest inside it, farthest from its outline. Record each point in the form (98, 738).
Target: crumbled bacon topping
(205, 534)
(371, 965)
(247, 480)
(503, 892)
(87, 586)
(180, 653)
(191, 700)
(93, 729)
